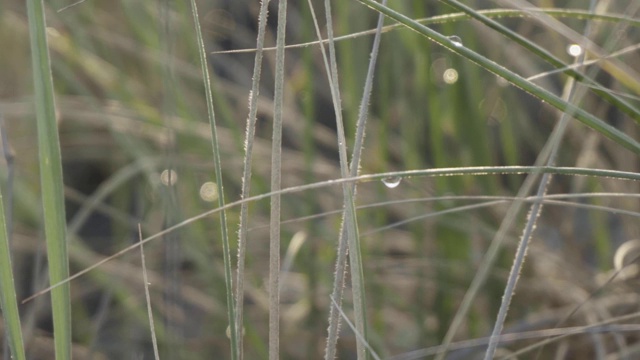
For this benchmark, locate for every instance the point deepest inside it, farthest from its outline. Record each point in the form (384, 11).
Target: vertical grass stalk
(13, 329)
(276, 168)
(50, 179)
(218, 170)
(335, 311)
(246, 175)
(349, 220)
(147, 297)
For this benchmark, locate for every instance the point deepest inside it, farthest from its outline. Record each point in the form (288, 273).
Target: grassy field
(208, 180)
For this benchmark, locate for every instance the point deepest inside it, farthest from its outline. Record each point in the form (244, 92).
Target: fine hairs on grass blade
(218, 170)
(581, 115)
(350, 221)
(338, 287)
(50, 179)
(147, 297)
(246, 174)
(8, 302)
(276, 168)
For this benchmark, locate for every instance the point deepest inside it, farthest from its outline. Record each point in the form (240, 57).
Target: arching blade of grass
(448, 18)
(547, 56)
(515, 79)
(50, 179)
(475, 171)
(218, 170)
(8, 293)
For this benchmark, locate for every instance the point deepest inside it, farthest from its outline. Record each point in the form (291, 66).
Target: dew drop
(209, 191)
(392, 181)
(455, 40)
(168, 177)
(450, 76)
(228, 332)
(574, 50)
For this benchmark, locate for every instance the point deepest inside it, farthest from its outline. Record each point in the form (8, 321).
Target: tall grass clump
(408, 180)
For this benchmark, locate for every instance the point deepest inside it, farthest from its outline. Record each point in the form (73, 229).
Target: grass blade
(147, 297)
(246, 174)
(276, 169)
(51, 179)
(338, 286)
(8, 294)
(473, 170)
(218, 170)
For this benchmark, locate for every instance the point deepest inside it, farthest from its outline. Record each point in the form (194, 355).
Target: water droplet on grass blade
(455, 40)
(574, 50)
(168, 177)
(392, 181)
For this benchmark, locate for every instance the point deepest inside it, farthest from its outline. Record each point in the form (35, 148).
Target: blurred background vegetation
(131, 105)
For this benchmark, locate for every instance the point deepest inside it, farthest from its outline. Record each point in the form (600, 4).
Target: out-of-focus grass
(430, 109)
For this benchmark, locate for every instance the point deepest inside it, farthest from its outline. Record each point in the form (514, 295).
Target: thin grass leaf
(350, 219)
(8, 301)
(454, 17)
(218, 170)
(246, 174)
(50, 179)
(341, 253)
(276, 172)
(334, 315)
(147, 297)
(463, 171)
(581, 115)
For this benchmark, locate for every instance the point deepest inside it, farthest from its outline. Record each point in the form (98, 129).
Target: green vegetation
(370, 195)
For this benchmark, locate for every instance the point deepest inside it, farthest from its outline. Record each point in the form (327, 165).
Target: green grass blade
(51, 179)
(515, 79)
(218, 170)
(8, 293)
